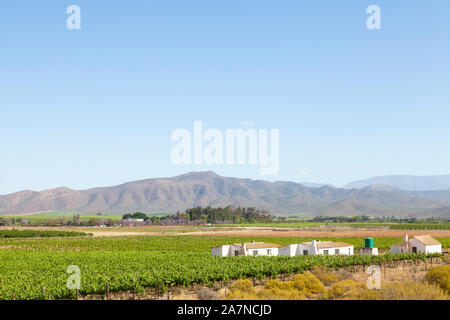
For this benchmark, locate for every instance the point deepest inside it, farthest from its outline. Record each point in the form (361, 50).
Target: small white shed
(417, 244)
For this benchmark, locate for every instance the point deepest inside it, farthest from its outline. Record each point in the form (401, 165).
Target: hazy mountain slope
(405, 182)
(208, 188)
(313, 184)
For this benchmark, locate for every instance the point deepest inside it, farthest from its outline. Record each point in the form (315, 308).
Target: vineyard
(42, 275)
(40, 233)
(36, 268)
(421, 226)
(166, 244)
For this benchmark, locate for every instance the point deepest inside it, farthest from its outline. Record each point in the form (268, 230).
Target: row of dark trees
(227, 214)
(200, 215)
(364, 218)
(342, 219)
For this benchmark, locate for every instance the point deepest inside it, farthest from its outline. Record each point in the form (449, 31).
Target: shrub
(242, 290)
(279, 285)
(243, 285)
(412, 290)
(440, 276)
(279, 290)
(299, 288)
(351, 290)
(275, 293)
(326, 276)
(308, 284)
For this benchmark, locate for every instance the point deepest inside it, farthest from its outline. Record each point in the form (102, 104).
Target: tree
(76, 219)
(136, 215)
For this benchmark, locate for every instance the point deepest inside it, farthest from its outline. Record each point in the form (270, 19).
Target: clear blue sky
(97, 106)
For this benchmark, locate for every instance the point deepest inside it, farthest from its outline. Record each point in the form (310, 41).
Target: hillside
(209, 189)
(406, 182)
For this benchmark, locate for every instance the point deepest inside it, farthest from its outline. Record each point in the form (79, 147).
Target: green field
(307, 224)
(310, 224)
(64, 215)
(67, 215)
(30, 267)
(40, 234)
(421, 226)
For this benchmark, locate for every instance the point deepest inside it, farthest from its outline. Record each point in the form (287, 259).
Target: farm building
(246, 249)
(316, 247)
(417, 244)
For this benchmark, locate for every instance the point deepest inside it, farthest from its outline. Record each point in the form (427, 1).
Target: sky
(97, 106)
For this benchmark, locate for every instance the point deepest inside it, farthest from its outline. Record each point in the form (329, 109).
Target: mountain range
(209, 189)
(406, 182)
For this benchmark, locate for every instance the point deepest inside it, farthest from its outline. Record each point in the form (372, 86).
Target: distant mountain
(405, 182)
(209, 189)
(314, 184)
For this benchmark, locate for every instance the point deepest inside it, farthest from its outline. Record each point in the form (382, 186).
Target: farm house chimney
(314, 246)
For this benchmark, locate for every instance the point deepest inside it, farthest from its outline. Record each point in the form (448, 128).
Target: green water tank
(368, 243)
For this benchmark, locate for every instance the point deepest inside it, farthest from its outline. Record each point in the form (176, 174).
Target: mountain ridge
(206, 188)
(405, 182)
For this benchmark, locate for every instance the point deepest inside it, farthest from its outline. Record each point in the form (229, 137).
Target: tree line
(207, 215)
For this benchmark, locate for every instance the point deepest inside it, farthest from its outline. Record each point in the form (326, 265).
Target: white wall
(222, 251)
(218, 252)
(342, 251)
(369, 251)
(289, 250)
(293, 250)
(413, 243)
(302, 247)
(434, 249)
(421, 248)
(298, 250)
(263, 252)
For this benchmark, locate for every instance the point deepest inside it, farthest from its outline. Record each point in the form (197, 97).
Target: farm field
(333, 231)
(41, 217)
(308, 224)
(66, 215)
(116, 231)
(420, 226)
(40, 233)
(35, 268)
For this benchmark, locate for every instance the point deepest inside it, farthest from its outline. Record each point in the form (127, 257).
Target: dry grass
(351, 290)
(440, 276)
(412, 290)
(207, 294)
(328, 277)
(425, 285)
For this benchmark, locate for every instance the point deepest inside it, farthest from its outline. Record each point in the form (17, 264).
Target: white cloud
(304, 173)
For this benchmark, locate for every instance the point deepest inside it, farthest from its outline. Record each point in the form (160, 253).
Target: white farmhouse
(316, 247)
(417, 244)
(246, 249)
